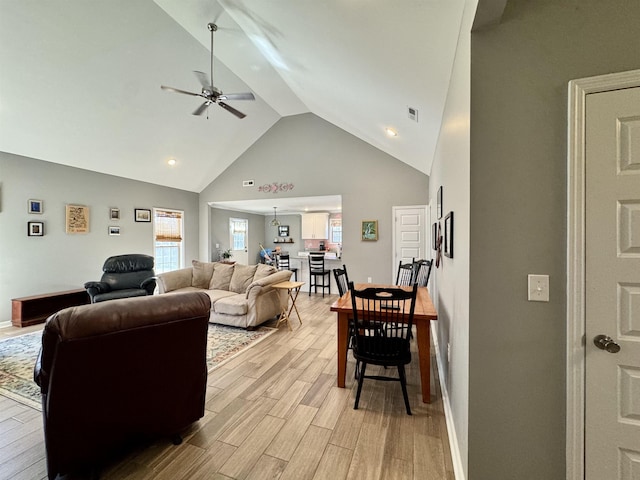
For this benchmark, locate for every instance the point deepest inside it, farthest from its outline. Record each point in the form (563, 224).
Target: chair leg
(403, 384)
(363, 368)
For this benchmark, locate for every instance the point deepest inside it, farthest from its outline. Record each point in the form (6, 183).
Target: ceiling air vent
(413, 114)
(248, 183)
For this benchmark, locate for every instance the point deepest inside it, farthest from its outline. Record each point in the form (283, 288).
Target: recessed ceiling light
(171, 162)
(391, 132)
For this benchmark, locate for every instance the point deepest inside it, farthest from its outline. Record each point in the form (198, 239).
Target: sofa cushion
(242, 277)
(221, 278)
(216, 295)
(263, 271)
(202, 273)
(232, 305)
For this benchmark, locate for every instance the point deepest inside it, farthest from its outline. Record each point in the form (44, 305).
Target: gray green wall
(321, 159)
(58, 261)
(519, 75)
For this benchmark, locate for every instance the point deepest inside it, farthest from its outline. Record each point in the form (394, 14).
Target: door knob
(604, 342)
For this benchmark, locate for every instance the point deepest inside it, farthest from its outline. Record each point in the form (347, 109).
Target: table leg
(424, 355)
(343, 338)
(293, 304)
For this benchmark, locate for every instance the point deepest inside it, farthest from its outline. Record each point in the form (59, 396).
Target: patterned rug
(18, 357)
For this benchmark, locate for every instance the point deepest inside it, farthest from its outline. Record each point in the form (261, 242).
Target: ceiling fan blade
(237, 96)
(203, 79)
(200, 110)
(177, 90)
(229, 108)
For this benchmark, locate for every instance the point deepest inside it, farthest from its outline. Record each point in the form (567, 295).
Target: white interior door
(410, 234)
(238, 239)
(612, 285)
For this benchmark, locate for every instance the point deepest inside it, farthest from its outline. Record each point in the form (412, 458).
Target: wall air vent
(413, 114)
(248, 183)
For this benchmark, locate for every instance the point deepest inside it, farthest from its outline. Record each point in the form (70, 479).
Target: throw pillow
(242, 277)
(263, 271)
(221, 276)
(202, 272)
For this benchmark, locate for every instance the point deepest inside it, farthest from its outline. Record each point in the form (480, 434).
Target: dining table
(424, 313)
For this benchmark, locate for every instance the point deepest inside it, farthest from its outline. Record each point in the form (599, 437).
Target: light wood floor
(274, 412)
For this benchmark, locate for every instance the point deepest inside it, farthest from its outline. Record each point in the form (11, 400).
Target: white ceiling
(80, 80)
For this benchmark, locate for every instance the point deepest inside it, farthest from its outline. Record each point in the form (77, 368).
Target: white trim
(575, 365)
(456, 458)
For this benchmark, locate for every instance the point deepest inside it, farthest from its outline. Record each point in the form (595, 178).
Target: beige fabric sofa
(241, 295)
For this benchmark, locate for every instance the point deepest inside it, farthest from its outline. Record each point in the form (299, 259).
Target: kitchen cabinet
(315, 226)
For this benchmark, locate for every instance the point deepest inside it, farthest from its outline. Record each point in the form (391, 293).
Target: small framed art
(35, 229)
(77, 219)
(283, 231)
(114, 230)
(142, 214)
(434, 236)
(35, 206)
(448, 235)
(370, 230)
(439, 204)
(114, 214)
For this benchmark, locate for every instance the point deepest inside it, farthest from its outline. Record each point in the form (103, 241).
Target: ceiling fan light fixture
(275, 222)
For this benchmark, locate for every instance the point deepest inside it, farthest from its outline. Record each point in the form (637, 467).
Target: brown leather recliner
(117, 372)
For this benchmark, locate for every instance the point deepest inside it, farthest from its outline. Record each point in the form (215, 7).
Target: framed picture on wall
(448, 235)
(142, 214)
(370, 230)
(283, 231)
(439, 204)
(76, 219)
(35, 206)
(114, 214)
(434, 236)
(114, 230)
(35, 229)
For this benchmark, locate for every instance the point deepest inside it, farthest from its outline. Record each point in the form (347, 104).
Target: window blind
(168, 226)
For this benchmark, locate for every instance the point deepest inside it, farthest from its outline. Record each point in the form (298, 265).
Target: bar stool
(316, 269)
(283, 262)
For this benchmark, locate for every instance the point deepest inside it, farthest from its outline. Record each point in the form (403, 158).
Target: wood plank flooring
(274, 412)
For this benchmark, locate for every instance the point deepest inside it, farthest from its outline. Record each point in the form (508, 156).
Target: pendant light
(275, 222)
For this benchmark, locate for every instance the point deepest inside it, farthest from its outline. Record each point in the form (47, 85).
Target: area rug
(18, 357)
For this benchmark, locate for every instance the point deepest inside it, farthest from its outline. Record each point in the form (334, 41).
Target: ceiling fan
(210, 93)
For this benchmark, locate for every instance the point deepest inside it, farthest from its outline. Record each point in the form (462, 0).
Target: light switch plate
(538, 288)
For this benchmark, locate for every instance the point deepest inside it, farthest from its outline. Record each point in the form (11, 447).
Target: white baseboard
(456, 458)
(5, 324)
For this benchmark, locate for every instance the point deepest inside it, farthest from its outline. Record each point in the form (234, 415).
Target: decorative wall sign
(142, 214)
(283, 231)
(77, 219)
(35, 229)
(35, 206)
(275, 187)
(448, 235)
(370, 230)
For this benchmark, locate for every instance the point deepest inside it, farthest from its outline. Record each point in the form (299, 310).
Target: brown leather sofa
(114, 373)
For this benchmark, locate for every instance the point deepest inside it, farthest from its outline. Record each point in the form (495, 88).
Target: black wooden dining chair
(423, 271)
(318, 271)
(342, 281)
(406, 274)
(383, 317)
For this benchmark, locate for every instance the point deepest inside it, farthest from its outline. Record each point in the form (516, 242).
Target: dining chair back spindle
(383, 318)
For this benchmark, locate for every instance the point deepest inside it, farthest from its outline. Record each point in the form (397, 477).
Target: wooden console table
(28, 311)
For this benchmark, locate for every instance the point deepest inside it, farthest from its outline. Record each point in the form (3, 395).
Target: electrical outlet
(538, 288)
(368, 279)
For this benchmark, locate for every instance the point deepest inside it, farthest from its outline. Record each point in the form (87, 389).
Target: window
(238, 229)
(335, 226)
(168, 239)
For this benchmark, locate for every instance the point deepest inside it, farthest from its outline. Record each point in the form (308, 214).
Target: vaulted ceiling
(80, 80)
